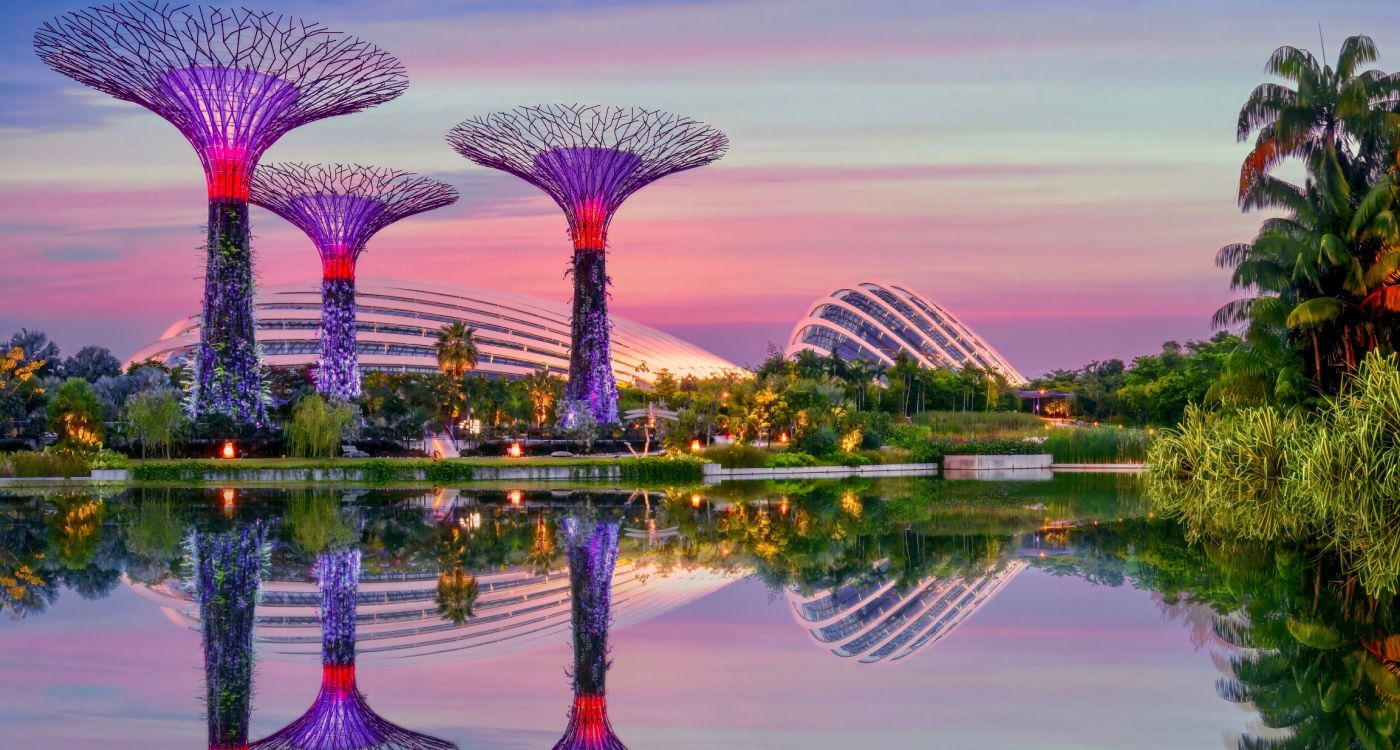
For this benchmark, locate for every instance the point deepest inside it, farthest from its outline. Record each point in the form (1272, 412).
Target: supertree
(588, 159)
(340, 206)
(232, 81)
(227, 568)
(591, 548)
(340, 718)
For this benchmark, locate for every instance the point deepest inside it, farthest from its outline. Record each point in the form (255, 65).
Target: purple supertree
(591, 548)
(340, 718)
(340, 207)
(227, 569)
(589, 159)
(232, 81)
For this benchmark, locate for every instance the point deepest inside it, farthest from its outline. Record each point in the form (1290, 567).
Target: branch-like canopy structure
(588, 158)
(340, 718)
(341, 206)
(591, 548)
(232, 80)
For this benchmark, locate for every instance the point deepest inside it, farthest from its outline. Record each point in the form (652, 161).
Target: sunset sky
(1058, 174)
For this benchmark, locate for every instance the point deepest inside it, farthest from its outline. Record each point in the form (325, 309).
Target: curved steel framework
(340, 718)
(876, 321)
(340, 207)
(227, 570)
(589, 159)
(591, 548)
(232, 81)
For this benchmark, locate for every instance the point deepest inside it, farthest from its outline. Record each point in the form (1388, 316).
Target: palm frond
(1315, 312)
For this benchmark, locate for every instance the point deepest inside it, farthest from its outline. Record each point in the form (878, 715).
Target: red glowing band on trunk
(338, 262)
(338, 680)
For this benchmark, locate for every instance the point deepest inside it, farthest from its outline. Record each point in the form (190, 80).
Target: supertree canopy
(227, 570)
(340, 207)
(232, 81)
(591, 548)
(340, 718)
(589, 159)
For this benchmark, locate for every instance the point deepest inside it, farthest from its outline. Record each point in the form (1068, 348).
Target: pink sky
(1060, 177)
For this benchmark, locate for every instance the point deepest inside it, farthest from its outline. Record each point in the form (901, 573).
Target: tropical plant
(544, 390)
(75, 416)
(456, 348)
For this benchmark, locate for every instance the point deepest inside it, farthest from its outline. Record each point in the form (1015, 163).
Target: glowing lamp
(695, 446)
(695, 501)
(783, 438)
(515, 451)
(228, 450)
(230, 495)
(783, 506)
(515, 497)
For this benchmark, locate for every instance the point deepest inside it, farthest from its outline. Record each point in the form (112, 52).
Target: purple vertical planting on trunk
(340, 207)
(591, 549)
(589, 159)
(227, 574)
(232, 81)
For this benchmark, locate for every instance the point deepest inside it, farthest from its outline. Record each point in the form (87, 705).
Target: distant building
(397, 322)
(875, 321)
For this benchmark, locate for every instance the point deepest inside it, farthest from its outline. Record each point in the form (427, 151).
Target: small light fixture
(783, 438)
(695, 501)
(230, 495)
(228, 450)
(695, 446)
(515, 451)
(515, 496)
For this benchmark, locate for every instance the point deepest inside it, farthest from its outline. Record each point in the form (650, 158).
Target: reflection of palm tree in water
(591, 548)
(456, 588)
(340, 718)
(227, 570)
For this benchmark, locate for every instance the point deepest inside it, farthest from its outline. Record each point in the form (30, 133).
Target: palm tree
(456, 350)
(543, 389)
(456, 595)
(1327, 108)
(456, 355)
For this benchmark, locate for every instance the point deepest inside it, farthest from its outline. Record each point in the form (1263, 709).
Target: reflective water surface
(898, 614)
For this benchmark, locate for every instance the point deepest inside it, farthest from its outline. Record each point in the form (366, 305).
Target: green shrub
(48, 463)
(933, 451)
(108, 459)
(908, 436)
(981, 425)
(75, 416)
(737, 456)
(316, 427)
(791, 459)
(818, 442)
(155, 419)
(671, 468)
(444, 472)
(187, 472)
(851, 459)
(1094, 445)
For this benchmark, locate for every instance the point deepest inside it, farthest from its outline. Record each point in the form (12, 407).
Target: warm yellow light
(783, 506)
(516, 451)
(515, 496)
(695, 446)
(230, 495)
(783, 438)
(228, 451)
(695, 501)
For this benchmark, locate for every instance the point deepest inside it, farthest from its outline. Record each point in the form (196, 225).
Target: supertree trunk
(592, 552)
(341, 718)
(227, 570)
(591, 387)
(228, 376)
(338, 374)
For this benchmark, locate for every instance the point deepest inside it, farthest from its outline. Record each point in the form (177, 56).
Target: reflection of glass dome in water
(516, 609)
(885, 622)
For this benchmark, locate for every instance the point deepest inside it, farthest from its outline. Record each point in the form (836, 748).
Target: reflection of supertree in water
(341, 719)
(232, 82)
(591, 548)
(227, 570)
(340, 207)
(589, 160)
